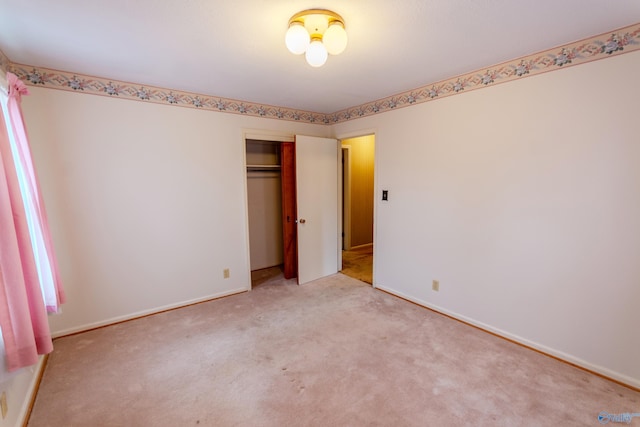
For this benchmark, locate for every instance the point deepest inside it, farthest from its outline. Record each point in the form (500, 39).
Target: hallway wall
(362, 173)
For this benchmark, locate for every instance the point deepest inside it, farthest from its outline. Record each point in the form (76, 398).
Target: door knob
(302, 220)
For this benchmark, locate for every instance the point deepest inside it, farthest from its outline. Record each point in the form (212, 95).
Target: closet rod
(263, 168)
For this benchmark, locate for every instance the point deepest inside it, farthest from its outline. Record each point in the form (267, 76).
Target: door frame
(346, 197)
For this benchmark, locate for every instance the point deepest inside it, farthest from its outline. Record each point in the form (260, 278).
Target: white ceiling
(235, 48)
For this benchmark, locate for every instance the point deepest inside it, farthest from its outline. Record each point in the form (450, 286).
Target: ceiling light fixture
(316, 33)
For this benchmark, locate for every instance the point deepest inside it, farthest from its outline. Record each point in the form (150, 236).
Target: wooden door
(289, 231)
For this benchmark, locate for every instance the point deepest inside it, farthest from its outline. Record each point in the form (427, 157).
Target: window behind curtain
(30, 285)
(44, 268)
(4, 374)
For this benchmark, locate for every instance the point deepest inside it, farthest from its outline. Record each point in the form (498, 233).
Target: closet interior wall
(264, 193)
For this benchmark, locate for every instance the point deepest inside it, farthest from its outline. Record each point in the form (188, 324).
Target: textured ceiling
(235, 49)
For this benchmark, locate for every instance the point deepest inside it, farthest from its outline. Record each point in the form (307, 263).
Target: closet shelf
(263, 167)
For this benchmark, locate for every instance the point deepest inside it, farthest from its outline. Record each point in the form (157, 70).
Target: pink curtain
(29, 281)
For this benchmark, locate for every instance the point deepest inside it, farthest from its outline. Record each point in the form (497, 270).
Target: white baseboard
(616, 376)
(118, 319)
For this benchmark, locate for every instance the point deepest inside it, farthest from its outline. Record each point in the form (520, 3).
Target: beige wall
(362, 151)
(265, 219)
(147, 202)
(523, 200)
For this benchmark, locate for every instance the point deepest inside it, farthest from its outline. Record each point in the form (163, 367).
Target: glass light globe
(335, 38)
(297, 38)
(316, 54)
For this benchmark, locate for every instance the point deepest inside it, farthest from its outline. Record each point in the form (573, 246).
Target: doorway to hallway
(358, 159)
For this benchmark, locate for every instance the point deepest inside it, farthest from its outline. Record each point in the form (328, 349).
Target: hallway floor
(358, 263)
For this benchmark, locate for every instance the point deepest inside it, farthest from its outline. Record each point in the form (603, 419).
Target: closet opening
(272, 210)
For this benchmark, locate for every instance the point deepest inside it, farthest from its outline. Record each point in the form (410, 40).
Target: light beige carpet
(334, 352)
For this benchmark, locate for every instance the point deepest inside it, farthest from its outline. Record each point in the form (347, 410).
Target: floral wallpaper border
(606, 45)
(38, 76)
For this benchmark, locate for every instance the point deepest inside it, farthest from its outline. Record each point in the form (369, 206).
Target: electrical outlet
(435, 285)
(225, 273)
(3, 404)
